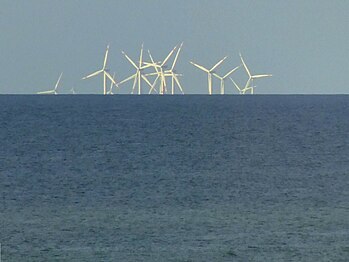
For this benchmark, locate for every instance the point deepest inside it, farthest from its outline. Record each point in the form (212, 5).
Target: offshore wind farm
(159, 71)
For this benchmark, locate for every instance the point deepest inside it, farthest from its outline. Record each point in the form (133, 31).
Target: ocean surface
(174, 178)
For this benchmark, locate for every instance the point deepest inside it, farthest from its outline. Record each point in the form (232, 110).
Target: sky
(304, 44)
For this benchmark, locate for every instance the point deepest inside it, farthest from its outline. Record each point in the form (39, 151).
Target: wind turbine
(53, 91)
(160, 72)
(244, 90)
(172, 73)
(104, 71)
(138, 76)
(209, 72)
(222, 78)
(250, 76)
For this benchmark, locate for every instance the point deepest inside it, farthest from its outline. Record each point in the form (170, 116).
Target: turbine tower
(250, 76)
(53, 91)
(104, 71)
(138, 76)
(222, 78)
(209, 72)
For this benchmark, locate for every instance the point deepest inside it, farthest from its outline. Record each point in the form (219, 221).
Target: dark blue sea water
(174, 178)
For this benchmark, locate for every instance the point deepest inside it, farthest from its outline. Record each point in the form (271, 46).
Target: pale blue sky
(304, 44)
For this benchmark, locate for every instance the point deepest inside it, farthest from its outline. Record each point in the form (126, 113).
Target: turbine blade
(168, 56)
(176, 57)
(110, 78)
(153, 85)
(151, 57)
(238, 88)
(260, 76)
(147, 81)
(219, 77)
(177, 82)
(152, 74)
(112, 83)
(129, 59)
(106, 57)
(59, 79)
(152, 60)
(247, 83)
(45, 92)
(141, 56)
(200, 67)
(245, 66)
(116, 84)
(93, 74)
(230, 72)
(216, 65)
(147, 65)
(128, 79)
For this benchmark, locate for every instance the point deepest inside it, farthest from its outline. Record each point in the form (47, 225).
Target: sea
(174, 178)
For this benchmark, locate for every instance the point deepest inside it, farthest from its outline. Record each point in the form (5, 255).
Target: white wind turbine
(160, 72)
(53, 91)
(242, 91)
(104, 71)
(222, 78)
(173, 75)
(250, 76)
(209, 72)
(138, 76)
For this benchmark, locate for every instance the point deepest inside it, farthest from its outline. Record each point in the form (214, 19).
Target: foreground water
(176, 178)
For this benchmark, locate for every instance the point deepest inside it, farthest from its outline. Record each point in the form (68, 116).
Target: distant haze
(304, 44)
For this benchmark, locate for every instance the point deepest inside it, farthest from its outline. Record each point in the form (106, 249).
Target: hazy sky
(304, 44)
